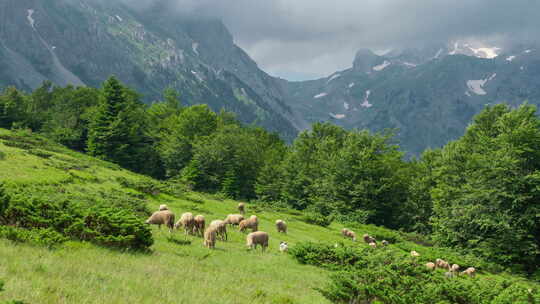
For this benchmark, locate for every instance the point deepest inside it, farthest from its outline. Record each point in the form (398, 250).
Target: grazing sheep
(251, 223)
(210, 237)
(159, 218)
(257, 238)
(430, 266)
(242, 208)
(187, 222)
(368, 239)
(349, 234)
(471, 271)
(454, 268)
(283, 247)
(281, 226)
(385, 243)
(442, 264)
(372, 245)
(163, 207)
(449, 274)
(198, 227)
(415, 254)
(221, 229)
(234, 219)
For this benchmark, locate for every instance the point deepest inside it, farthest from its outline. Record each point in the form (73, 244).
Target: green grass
(179, 269)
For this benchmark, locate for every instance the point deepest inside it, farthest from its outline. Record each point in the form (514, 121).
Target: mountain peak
(365, 59)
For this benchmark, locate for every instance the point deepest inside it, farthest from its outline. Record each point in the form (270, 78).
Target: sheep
(454, 268)
(471, 271)
(251, 223)
(163, 207)
(442, 264)
(257, 238)
(242, 208)
(281, 226)
(351, 235)
(430, 266)
(210, 237)
(449, 274)
(385, 243)
(234, 219)
(164, 217)
(415, 254)
(283, 247)
(368, 239)
(199, 225)
(221, 229)
(187, 222)
(372, 245)
(348, 234)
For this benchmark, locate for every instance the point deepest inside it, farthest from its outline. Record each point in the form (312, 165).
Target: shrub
(317, 219)
(2, 155)
(144, 185)
(390, 275)
(53, 219)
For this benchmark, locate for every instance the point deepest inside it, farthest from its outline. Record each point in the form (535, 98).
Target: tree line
(479, 193)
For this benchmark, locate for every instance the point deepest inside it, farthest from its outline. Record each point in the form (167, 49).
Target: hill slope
(178, 268)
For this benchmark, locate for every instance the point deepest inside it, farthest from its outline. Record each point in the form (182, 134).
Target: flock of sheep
(196, 225)
(453, 269)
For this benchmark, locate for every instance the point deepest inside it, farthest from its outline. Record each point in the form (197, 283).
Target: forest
(479, 194)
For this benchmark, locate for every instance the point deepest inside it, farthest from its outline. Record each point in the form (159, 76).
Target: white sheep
(415, 254)
(221, 228)
(242, 208)
(372, 245)
(257, 238)
(199, 225)
(234, 219)
(163, 207)
(159, 218)
(251, 223)
(368, 239)
(348, 234)
(283, 247)
(210, 237)
(430, 266)
(471, 271)
(281, 226)
(187, 222)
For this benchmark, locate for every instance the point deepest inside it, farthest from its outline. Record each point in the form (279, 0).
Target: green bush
(36, 215)
(2, 155)
(317, 219)
(390, 275)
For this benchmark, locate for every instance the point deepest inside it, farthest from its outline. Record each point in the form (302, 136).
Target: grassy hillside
(178, 268)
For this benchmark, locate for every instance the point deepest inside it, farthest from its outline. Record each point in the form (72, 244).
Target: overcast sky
(305, 39)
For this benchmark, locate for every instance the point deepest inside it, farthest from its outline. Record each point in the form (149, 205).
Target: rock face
(82, 42)
(428, 94)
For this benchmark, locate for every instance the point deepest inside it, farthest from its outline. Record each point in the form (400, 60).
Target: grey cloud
(316, 37)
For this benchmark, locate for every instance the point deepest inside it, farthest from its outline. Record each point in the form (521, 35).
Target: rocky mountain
(82, 42)
(428, 95)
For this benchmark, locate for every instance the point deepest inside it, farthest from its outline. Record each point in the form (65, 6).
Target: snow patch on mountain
(409, 65)
(321, 95)
(337, 116)
(119, 18)
(527, 51)
(351, 85)
(346, 105)
(30, 18)
(477, 86)
(382, 66)
(337, 75)
(488, 53)
(439, 53)
(195, 48)
(455, 50)
(366, 103)
(510, 58)
(197, 76)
